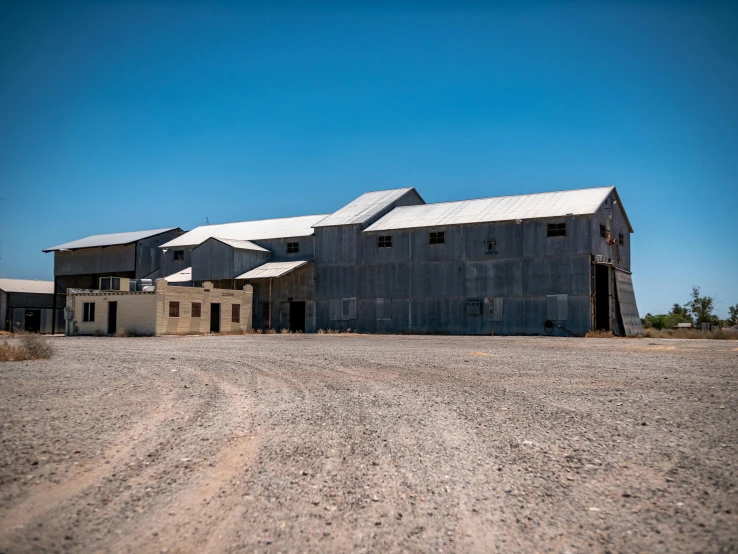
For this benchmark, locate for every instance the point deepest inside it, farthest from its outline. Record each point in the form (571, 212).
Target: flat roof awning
(184, 276)
(272, 269)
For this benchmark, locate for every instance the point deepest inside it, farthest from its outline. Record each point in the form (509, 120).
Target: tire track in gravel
(214, 495)
(49, 496)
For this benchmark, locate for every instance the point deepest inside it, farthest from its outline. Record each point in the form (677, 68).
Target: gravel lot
(320, 443)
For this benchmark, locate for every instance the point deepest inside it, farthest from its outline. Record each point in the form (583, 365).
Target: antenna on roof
(207, 221)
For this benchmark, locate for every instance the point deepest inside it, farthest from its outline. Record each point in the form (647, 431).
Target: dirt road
(321, 443)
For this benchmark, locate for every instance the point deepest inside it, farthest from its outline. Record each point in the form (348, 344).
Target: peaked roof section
(237, 244)
(27, 285)
(272, 269)
(364, 207)
(285, 227)
(112, 239)
(498, 208)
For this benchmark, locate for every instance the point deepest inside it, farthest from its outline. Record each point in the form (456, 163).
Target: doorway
(602, 297)
(297, 317)
(112, 318)
(215, 318)
(33, 321)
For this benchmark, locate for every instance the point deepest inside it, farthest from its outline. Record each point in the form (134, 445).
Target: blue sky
(123, 116)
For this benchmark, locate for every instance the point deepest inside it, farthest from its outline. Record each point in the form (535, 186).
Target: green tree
(683, 311)
(701, 307)
(733, 315)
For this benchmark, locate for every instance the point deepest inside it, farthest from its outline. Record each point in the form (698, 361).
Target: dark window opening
(236, 313)
(179, 255)
(89, 311)
(196, 309)
(293, 247)
(491, 244)
(621, 239)
(384, 241)
(105, 283)
(556, 230)
(437, 237)
(174, 309)
(603, 231)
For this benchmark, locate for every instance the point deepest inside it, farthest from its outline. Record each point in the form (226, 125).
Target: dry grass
(689, 334)
(28, 347)
(599, 335)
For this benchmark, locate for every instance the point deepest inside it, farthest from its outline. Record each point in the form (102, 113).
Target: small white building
(165, 310)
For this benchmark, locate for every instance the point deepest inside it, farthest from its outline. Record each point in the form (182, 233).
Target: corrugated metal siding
(627, 302)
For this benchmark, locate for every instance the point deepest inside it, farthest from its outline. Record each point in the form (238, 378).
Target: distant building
(553, 263)
(683, 326)
(28, 305)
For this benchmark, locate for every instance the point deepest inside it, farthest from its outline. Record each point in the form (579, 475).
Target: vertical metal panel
(627, 304)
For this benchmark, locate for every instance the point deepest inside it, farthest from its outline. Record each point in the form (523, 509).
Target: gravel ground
(321, 443)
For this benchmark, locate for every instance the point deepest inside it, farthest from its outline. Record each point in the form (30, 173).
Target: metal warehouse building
(28, 305)
(549, 263)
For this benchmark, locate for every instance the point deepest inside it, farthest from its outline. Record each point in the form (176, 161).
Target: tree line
(698, 310)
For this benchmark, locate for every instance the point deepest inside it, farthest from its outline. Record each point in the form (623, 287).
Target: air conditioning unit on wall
(600, 259)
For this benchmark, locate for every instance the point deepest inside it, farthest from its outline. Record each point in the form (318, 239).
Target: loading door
(112, 318)
(602, 297)
(215, 318)
(626, 304)
(32, 323)
(297, 317)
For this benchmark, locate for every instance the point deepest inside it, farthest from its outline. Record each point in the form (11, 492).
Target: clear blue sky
(122, 116)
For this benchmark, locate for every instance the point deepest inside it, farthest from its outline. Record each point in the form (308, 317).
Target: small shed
(28, 305)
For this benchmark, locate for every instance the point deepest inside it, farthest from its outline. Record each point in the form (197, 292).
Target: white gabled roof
(364, 207)
(498, 208)
(184, 276)
(237, 244)
(285, 227)
(112, 239)
(27, 285)
(272, 269)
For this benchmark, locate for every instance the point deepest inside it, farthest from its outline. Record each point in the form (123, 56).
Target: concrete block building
(164, 310)
(553, 263)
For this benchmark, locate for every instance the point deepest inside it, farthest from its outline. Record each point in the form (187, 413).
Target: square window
(196, 309)
(437, 237)
(115, 283)
(236, 313)
(179, 255)
(384, 241)
(293, 247)
(104, 283)
(556, 230)
(603, 231)
(89, 311)
(174, 309)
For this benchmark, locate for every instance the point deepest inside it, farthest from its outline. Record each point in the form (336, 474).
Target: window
(174, 309)
(109, 283)
(556, 230)
(293, 247)
(437, 237)
(236, 313)
(603, 231)
(384, 242)
(179, 255)
(621, 239)
(89, 311)
(196, 309)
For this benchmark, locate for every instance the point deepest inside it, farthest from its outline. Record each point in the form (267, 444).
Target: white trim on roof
(113, 239)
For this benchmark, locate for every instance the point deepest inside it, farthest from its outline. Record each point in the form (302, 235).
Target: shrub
(599, 335)
(29, 347)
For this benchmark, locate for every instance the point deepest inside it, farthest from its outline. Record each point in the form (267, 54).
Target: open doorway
(112, 318)
(215, 318)
(33, 321)
(297, 317)
(602, 297)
